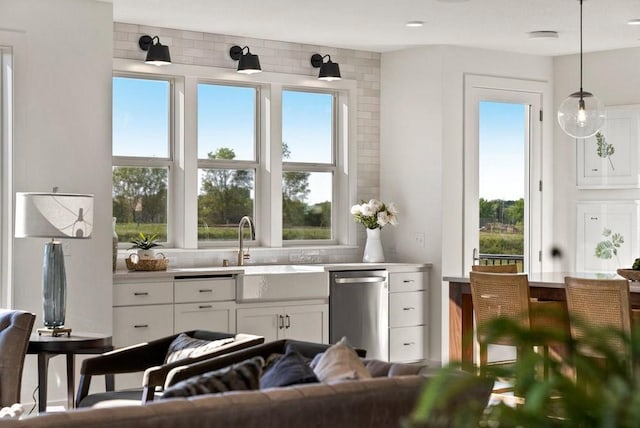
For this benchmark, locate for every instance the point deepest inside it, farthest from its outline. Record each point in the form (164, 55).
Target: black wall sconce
(157, 53)
(328, 70)
(248, 63)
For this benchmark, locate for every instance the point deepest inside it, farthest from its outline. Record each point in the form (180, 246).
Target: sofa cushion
(289, 369)
(378, 368)
(184, 346)
(340, 362)
(242, 376)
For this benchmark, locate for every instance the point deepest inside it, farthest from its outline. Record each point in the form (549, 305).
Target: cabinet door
(406, 309)
(138, 324)
(307, 322)
(212, 316)
(267, 322)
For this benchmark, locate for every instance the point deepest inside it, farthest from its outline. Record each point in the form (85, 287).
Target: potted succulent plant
(145, 245)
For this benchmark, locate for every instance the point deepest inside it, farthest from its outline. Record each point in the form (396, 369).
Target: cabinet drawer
(406, 344)
(205, 316)
(137, 324)
(205, 290)
(406, 281)
(406, 309)
(142, 293)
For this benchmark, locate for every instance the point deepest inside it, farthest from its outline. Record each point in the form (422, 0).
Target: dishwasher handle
(360, 279)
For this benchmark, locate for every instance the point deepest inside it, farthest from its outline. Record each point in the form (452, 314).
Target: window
(195, 151)
(308, 165)
(226, 159)
(141, 156)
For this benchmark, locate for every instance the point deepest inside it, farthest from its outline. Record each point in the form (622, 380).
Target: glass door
(502, 199)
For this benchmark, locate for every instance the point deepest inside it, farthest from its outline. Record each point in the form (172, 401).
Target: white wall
(422, 155)
(63, 138)
(613, 77)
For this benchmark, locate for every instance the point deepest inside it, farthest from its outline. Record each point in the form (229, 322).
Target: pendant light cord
(580, 49)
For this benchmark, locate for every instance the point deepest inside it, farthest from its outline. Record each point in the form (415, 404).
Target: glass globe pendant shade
(581, 115)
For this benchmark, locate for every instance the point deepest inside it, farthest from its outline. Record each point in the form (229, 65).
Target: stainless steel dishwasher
(359, 310)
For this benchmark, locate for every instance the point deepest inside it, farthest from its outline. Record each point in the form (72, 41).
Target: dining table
(544, 286)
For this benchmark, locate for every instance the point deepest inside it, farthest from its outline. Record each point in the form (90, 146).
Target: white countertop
(124, 275)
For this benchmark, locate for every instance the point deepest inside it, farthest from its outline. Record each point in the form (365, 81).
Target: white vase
(146, 254)
(373, 248)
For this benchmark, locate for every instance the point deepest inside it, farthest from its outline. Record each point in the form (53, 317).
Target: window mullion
(189, 163)
(271, 166)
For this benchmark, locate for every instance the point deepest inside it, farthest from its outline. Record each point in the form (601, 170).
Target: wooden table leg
(109, 382)
(71, 380)
(43, 368)
(460, 326)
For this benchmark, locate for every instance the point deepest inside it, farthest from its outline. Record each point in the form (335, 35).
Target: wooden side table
(47, 347)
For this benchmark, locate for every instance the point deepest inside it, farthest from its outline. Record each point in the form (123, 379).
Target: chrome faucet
(242, 256)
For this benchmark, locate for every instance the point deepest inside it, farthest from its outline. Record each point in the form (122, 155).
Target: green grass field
(127, 231)
(501, 243)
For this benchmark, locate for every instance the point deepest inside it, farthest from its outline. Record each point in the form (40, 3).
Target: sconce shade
(248, 63)
(54, 215)
(157, 53)
(581, 115)
(328, 70)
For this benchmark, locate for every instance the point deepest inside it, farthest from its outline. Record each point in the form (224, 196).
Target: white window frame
(268, 187)
(152, 162)
(319, 167)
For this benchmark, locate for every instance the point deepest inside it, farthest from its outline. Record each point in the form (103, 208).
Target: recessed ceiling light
(634, 21)
(537, 35)
(414, 23)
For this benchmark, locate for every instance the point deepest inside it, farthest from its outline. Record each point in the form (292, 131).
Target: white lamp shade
(585, 122)
(53, 215)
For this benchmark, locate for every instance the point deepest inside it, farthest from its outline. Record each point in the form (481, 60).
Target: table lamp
(54, 215)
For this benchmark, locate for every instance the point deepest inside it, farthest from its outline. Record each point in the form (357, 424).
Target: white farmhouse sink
(282, 282)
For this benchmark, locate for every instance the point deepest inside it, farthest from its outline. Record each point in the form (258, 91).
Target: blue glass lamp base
(54, 285)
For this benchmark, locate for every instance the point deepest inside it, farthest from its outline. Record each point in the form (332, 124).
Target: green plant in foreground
(604, 393)
(144, 242)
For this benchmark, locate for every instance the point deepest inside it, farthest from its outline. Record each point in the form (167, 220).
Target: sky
(225, 119)
(502, 149)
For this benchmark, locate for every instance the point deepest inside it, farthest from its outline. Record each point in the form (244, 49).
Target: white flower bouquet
(375, 214)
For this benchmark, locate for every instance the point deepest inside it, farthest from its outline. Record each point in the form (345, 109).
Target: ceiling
(378, 25)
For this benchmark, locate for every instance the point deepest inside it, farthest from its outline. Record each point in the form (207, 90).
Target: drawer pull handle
(409, 343)
(142, 293)
(206, 290)
(141, 326)
(280, 322)
(409, 308)
(288, 324)
(406, 281)
(204, 307)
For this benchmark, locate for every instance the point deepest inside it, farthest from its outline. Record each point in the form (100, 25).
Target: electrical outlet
(419, 238)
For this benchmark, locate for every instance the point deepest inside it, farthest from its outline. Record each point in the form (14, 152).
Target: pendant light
(581, 114)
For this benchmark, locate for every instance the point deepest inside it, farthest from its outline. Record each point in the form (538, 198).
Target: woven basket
(148, 264)
(630, 274)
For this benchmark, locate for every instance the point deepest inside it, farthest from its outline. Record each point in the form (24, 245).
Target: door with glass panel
(502, 175)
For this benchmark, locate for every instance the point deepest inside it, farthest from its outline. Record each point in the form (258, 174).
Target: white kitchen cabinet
(212, 316)
(205, 304)
(301, 322)
(407, 316)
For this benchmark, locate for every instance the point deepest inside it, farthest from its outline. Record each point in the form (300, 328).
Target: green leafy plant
(578, 391)
(604, 150)
(144, 242)
(608, 248)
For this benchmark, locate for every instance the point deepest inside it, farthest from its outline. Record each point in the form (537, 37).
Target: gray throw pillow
(185, 346)
(242, 376)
